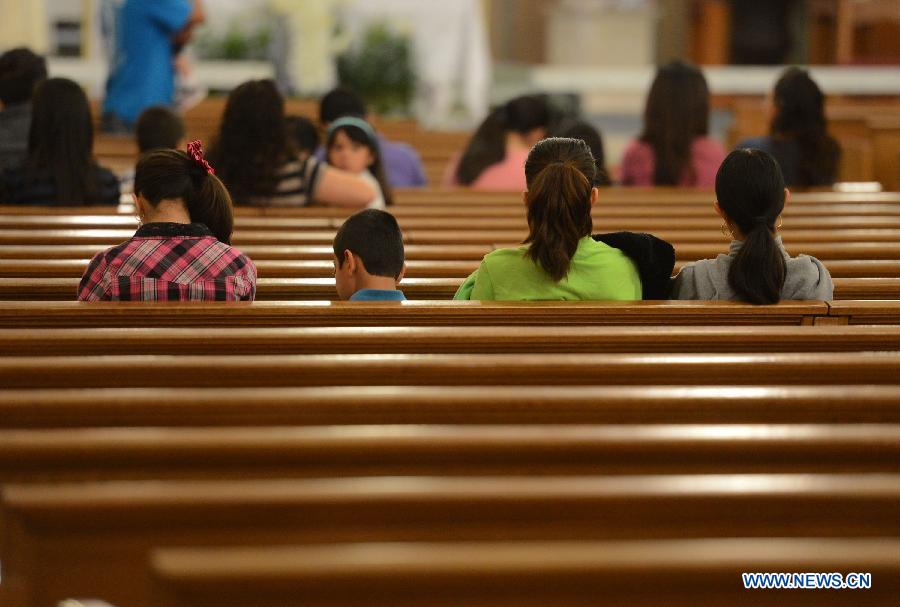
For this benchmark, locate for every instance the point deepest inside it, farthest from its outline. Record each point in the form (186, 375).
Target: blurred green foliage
(379, 68)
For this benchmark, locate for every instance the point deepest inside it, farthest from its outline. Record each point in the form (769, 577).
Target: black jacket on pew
(654, 258)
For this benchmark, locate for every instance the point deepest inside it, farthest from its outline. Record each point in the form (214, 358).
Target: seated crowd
(262, 157)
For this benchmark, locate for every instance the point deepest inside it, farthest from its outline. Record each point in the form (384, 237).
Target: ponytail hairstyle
(61, 141)
(750, 191)
(676, 113)
(521, 115)
(800, 117)
(359, 131)
(176, 175)
(560, 175)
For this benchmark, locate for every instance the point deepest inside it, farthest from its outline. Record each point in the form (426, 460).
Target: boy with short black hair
(368, 257)
(159, 128)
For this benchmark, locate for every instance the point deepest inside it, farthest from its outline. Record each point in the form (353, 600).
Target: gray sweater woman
(805, 277)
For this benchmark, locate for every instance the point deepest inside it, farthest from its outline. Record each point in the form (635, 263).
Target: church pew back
(112, 526)
(640, 573)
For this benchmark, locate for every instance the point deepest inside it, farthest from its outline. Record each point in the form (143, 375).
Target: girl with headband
(353, 147)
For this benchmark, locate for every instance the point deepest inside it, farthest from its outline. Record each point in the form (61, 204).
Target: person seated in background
(353, 147)
(60, 169)
(181, 252)
(148, 37)
(157, 128)
(798, 133)
(750, 198)
(495, 157)
(572, 128)
(260, 165)
(674, 149)
(368, 257)
(20, 72)
(402, 165)
(303, 134)
(560, 259)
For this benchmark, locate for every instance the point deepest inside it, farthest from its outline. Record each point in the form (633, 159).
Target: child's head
(676, 113)
(176, 177)
(368, 253)
(20, 72)
(560, 177)
(750, 197)
(352, 146)
(303, 134)
(159, 128)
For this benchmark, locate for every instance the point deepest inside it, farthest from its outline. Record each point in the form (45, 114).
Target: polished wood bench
(71, 455)
(445, 339)
(685, 252)
(615, 404)
(588, 573)
(113, 526)
(323, 289)
(415, 268)
(266, 371)
(882, 312)
(24, 314)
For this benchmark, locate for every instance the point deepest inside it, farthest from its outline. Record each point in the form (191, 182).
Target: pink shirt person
(508, 174)
(638, 164)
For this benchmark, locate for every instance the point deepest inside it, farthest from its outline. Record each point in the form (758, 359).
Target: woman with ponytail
(559, 259)
(181, 250)
(798, 135)
(495, 155)
(751, 196)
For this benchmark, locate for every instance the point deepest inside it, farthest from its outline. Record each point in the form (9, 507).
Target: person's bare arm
(339, 188)
(198, 16)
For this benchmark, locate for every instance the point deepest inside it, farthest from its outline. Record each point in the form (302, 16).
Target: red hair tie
(195, 151)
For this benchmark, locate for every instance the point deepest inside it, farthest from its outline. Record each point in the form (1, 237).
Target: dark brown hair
(750, 190)
(172, 174)
(252, 144)
(677, 112)
(488, 145)
(800, 116)
(560, 175)
(61, 141)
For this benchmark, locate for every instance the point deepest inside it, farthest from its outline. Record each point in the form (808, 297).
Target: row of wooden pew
(285, 453)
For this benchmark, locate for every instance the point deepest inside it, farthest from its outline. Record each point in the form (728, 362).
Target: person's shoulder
(807, 278)
(707, 146)
(637, 148)
(398, 148)
(763, 143)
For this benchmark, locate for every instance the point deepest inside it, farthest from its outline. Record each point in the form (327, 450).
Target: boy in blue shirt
(368, 257)
(148, 35)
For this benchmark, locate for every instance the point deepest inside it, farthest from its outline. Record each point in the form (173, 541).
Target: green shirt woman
(559, 260)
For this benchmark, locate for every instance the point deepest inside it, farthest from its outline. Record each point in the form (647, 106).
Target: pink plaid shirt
(169, 262)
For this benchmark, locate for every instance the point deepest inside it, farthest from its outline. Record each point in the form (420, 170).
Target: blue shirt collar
(378, 295)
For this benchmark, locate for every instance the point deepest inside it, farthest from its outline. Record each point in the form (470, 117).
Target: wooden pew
(411, 313)
(184, 407)
(113, 526)
(445, 339)
(872, 312)
(641, 573)
(847, 251)
(266, 371)
(415, 268)
(70, 455)
(322, 289)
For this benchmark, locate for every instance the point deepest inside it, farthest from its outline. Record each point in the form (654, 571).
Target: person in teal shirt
(559, 260)
(368, 257)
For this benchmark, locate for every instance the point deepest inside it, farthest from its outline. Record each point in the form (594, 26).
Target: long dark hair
(356, 134)
(173, 174)
(750, 190)
(61, 141)
(676, 113)
(488, 145)
(800, 116)
(560, 176)
(252, 144)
